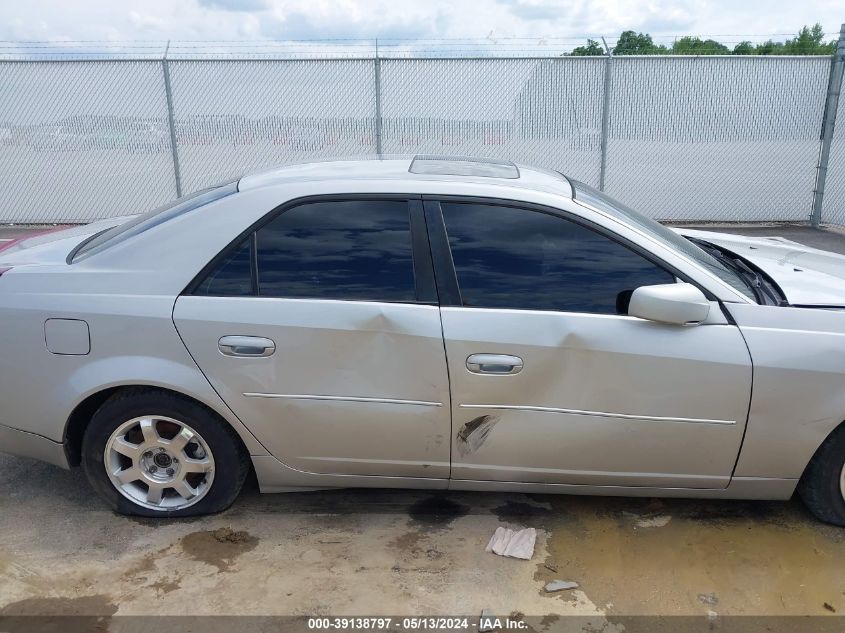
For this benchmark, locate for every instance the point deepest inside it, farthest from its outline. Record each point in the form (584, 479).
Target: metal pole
(377, 69)
(605, 113)
(834, 88)
(174, 150)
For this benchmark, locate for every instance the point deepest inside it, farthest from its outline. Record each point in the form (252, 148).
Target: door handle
(251, 346)
(501, 364)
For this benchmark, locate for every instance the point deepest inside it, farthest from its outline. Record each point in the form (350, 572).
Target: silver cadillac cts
(442, 323)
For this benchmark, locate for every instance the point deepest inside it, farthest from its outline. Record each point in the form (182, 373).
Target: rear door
(552, 382)
(321, 330)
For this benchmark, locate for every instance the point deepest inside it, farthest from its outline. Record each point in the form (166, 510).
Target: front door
(553, 383)
(321, 331)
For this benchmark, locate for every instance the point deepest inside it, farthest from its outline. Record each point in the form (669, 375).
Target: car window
(232, 276)
(668, 237)
(358, 249)
(146, 221)
(508, 257)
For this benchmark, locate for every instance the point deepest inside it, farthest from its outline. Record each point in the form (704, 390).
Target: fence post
(377, 69)
(605, 113)
(174, 150)
(831, 104)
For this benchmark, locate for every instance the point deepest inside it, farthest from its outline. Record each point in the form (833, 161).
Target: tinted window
(232, 277)
(595, 198)
(514, 258)
(338, 250)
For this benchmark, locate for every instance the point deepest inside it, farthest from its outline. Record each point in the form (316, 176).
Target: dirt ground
(366, 552)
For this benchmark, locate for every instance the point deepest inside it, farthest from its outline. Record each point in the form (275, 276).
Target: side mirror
(680, 304)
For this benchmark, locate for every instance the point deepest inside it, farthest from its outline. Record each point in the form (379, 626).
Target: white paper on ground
(560, 585)
(516, 544)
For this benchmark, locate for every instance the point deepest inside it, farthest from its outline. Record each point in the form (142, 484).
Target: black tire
(231, 460)
(819, 487)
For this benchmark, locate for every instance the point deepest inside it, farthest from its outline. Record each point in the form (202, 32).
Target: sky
(543, 23)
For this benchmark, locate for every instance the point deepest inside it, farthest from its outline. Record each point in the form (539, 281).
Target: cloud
(146, 21)
(672, 18)
(298, 25)
(528, 10)
(234, 5)
(404, 20)
(677, 24)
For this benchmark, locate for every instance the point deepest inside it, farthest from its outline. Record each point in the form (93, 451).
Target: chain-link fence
(833, 211)
(679, 138)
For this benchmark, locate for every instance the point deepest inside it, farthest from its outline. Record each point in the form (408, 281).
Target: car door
(320, 329)
(552, 382)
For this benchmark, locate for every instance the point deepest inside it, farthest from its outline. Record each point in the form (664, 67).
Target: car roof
(411, 169)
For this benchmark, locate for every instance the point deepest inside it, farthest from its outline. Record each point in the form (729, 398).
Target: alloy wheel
(159, 463)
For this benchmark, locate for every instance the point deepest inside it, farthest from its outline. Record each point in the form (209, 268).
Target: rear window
(144, 222)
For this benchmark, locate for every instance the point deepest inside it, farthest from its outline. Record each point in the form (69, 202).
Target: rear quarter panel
(133, 342)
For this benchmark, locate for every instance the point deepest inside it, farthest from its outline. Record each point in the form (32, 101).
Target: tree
(696, 46)
(743, 48)
(591, 49)
(809, 42)
(769, 48)
(631, 43)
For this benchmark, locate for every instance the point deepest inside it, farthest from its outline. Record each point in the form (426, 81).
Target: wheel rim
(159, 463)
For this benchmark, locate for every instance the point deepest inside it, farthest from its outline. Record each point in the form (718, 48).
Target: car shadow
(35, 489)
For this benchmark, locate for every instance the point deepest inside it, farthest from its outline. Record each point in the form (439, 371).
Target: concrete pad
(367, 552)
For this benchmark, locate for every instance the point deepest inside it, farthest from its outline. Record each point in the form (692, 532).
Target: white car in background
(424, 323)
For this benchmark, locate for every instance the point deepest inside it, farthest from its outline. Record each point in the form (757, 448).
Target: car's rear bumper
(25, 444)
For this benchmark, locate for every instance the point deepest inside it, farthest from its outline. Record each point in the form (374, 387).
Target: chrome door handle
(253, 346)
(494, 364)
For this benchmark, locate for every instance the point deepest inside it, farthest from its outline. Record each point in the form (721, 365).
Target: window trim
(445, 274)
(424, 280)
(424, 285)
(445, 268)
(141, 223)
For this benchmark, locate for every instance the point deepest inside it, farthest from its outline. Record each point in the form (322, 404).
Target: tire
(820, 487)
(121, 425)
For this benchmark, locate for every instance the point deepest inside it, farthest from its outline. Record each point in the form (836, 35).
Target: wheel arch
(821, 445)
(85, 409)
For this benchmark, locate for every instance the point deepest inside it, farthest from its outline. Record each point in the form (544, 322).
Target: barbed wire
(583, 36)
(366, 48)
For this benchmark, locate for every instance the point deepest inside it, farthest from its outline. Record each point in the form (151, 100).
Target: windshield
(146, 221)
(595, 198)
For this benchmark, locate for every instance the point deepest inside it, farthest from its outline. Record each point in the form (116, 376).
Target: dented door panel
(600, 400)
(353, 387)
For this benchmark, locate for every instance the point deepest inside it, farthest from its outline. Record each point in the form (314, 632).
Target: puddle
(520, 512)
(726, 557)
(80, 615)
(437, 512)
(164, 587)
(408, 543)
(218, 547)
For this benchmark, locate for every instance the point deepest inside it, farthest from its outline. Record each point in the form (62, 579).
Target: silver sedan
(423, 323)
